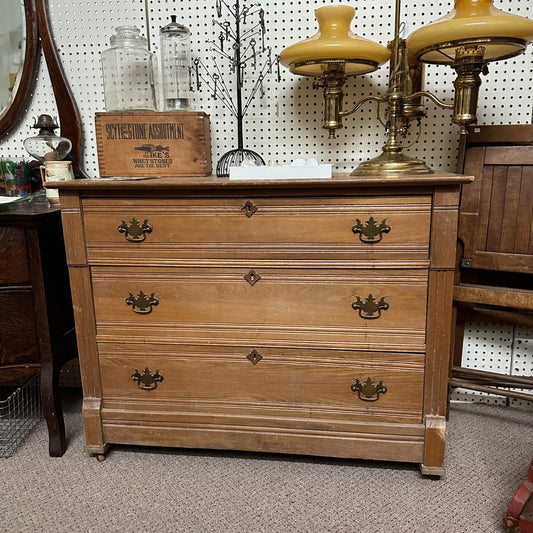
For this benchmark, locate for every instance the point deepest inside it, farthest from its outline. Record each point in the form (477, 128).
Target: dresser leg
(435, 440)
(100, 457)
(52, 409)
(435, 472)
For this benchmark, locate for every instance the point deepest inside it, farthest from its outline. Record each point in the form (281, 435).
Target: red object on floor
(519, 517)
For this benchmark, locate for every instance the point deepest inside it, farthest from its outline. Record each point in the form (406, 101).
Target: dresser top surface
(338, 181)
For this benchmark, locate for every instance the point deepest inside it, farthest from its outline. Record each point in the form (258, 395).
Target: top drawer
(13, 258)
(167, 231)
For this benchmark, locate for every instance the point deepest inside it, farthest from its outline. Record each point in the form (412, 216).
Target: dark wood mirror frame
(38, 31)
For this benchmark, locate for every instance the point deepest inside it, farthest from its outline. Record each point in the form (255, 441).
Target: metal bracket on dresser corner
(135, 232)
(147, 380)
(249, 208)
(142, 303)
(370, 232)
(371, 308)
(252, 277)
(368, 391)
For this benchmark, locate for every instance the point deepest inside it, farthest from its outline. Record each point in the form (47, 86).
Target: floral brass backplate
(369, 391)
(135, 231)
(370, 309)
(371, 231)
(147, 380)
(142, 303)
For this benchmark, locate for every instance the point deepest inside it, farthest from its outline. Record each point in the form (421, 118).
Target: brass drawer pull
(135, 232)
(368, 391)
(252, 277)
(142, 303)
(370, 309)
(249, 208)
(371, 232)
(147, 380)
(254, 357)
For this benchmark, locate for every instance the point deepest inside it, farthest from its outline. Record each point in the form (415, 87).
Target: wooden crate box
(162, 144)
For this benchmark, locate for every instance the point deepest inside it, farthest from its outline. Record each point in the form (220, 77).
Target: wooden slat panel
(497, 203)
(471, 192)
(510, 209)
(486, 178)
(524, 234)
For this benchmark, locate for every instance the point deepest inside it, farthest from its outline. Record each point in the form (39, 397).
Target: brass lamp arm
(359, 104)
(431, 96)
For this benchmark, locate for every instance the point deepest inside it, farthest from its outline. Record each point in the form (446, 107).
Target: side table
(36, 318)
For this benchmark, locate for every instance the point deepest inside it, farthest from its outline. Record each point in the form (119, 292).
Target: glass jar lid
(128, 36)
(175, 29)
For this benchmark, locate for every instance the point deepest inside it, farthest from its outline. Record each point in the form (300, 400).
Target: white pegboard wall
(486, 347)
(287, 122)
(503, 349)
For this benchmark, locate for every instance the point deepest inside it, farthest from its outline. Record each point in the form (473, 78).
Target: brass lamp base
(391, 164)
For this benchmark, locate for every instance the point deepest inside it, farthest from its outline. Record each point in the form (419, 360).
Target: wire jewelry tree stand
(240, 47)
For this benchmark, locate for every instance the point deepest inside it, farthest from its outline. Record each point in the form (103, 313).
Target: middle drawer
(380, 309)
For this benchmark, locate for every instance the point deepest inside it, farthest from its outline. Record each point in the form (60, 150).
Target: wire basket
(20, 412)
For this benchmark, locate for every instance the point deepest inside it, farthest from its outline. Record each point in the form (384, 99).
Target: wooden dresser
(308, 317)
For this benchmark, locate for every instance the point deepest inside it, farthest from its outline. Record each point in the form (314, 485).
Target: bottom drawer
(251, 386)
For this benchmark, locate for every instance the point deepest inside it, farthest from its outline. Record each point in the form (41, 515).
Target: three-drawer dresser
(298, 316)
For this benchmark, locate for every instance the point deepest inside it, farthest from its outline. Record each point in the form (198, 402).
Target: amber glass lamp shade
(334, 43)
(471, 23)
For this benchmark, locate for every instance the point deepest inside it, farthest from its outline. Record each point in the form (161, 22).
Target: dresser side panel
(82, 300)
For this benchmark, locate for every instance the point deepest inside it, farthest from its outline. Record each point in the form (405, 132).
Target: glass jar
(175, 65)
(128, 71)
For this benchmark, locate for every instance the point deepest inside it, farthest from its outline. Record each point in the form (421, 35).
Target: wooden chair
(494, 275)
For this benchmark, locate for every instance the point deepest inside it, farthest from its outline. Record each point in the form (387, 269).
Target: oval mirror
(19, 50)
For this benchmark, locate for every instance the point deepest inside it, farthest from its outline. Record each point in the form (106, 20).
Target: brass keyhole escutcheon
(249, 208)
(370, 308)
(135, 231)
(371, 231)
(142, 303)
(252, 277)
(147, 380)
(369, 391)
(254, 357)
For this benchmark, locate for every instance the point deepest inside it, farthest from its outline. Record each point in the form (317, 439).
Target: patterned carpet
(168, 490)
